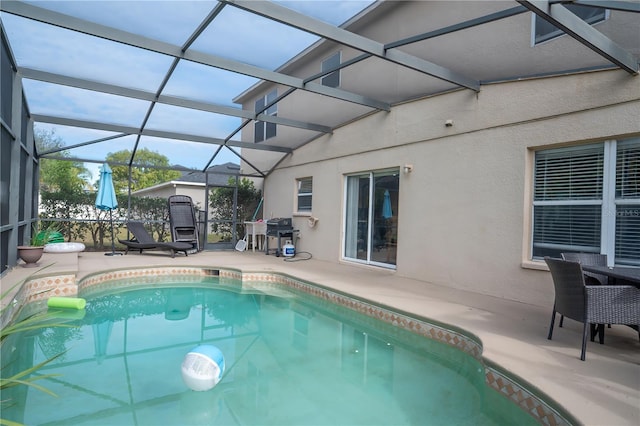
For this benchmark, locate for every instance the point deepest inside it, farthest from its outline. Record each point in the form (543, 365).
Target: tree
(221, 202)
(61, 176)
(63, 184)
(143, 176)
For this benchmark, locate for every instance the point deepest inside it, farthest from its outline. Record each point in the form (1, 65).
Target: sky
(235, 34)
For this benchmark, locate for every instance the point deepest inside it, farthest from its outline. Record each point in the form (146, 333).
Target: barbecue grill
(278, 228)
(278, 224)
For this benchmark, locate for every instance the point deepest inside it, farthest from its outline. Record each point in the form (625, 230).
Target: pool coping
(517, 390)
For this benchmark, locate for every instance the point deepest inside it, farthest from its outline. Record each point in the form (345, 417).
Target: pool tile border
(422, 328)
(498, 381)
(526, 400)
(41, 288)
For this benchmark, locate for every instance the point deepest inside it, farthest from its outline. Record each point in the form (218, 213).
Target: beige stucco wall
(463, 216)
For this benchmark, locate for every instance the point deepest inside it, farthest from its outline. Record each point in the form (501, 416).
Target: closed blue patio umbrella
(387, 213)
(101, 335)
(106, 200)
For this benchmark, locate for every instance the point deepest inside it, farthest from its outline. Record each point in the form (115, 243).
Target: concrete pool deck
(603, 390)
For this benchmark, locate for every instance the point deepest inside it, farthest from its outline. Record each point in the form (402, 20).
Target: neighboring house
(193, 184)
(461, 188)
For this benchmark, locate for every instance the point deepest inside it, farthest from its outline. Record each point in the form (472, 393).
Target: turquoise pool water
(291, 359)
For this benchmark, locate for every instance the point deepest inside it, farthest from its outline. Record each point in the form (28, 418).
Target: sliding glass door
(371, 217)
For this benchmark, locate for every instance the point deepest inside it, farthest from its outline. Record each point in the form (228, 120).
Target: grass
(121, 233)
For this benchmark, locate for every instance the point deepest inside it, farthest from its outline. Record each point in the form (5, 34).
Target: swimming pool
(296, 353)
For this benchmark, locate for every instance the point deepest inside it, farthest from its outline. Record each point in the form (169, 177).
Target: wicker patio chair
(590, 259)
(590, 304)
(143, 241)
(590, 278)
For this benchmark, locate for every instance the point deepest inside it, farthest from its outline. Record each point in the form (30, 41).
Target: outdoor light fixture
(448, 123)
(408, 168)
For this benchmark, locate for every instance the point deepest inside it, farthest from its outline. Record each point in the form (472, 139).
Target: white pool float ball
(202, 367)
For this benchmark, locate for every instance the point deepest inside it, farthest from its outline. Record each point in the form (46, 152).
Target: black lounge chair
(182, 218)
(143, 241)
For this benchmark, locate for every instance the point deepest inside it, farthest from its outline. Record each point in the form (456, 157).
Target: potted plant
(40, 236)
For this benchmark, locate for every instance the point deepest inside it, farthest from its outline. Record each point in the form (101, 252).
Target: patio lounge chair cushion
(144, 241)
(590, 304)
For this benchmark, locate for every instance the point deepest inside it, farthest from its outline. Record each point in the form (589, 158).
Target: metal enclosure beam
(564, 19)
(111, 89)
(75, 24)
(458, 27)
(305, 23)
(624, 6)
(129, 130)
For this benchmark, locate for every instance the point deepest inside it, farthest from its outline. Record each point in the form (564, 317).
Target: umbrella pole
(113, 243)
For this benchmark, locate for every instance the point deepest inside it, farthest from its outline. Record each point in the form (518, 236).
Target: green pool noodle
(66, 302)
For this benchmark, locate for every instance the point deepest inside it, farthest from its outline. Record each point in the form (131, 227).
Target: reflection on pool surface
(291, 359)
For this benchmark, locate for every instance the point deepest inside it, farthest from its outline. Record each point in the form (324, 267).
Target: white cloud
(57, 50)
(335, 12)
(169, 21)
(183, 120)
(52, 99)
(252, 39)
(73, 135)
(187, 154)
(200, 82)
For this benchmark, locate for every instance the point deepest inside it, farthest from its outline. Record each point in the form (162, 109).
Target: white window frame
(299, 188)
(608, 202)
(348, 218)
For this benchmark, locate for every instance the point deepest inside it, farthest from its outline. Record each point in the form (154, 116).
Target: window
(587, 199)
(627, 199)
(371, 218)
(264, 130)
(305, 191)
(546, 31)
(332, 79)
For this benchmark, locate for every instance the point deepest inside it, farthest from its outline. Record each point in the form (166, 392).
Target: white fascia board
(166, 185)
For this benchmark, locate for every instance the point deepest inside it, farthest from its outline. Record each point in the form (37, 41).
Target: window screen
(546, 31)
(569, 174)
(587, 199)
(262, 129)
(568, 200)
(331, 79)
(628, 202)
(305, 191)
